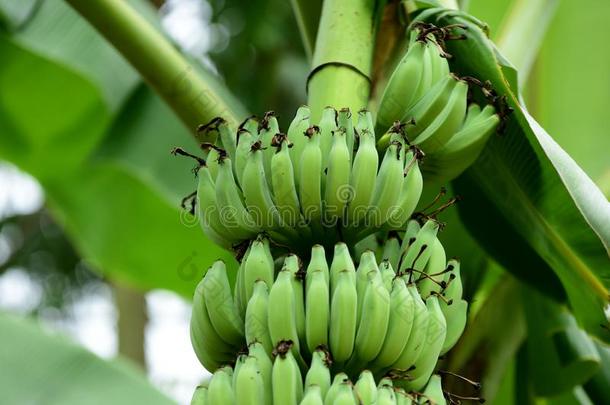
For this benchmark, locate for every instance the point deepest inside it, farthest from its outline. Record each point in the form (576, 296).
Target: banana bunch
(317, 184)
(464, 147)
(259, 379)
(392, 316)
(422, 92)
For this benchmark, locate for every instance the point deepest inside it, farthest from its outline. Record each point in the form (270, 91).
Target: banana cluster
(258, 379)
(423, 92)
(393, 315)
(317, 184)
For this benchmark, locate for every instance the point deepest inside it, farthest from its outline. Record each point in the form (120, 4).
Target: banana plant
(526, 205)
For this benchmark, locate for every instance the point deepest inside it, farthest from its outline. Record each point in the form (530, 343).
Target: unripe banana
(344, 119)
(220, 390)
(435, 337)
(256, 319)
(402, 398)
(410, 193)
(434, 391)
(385, 393)
(345, 395)
(440, 66)
(220, 305)
(335, 388)
(368, 264)
(419, 250)
(402, 87)
(338, 190)
(317, 313)
(373, 323)
(286, 377)
(209, 214)
(417, 337)
(296, 135)
(258, 265)
(310, 179)
(312, 396)
(251, 125)
(200, 396)
(265, 367)
(227, 138)
(229, 198)
(446, 124)
(343, 317)
(318, 262)
(342, 261)
(364, 170)
(431, 279)
(249, 385)
(366, 389)
(318, 374)
(456, 313)
(387, 274)
(328, 125)
(268, 129)
(293, 265)
(212, 162)
(284, 187)
(402, 315)
(245, 139)
(239, 291)
(391, 250)
(282, 312)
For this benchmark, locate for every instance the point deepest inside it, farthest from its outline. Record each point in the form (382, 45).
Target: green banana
(310, 180)
(239, 291)
(385, 393)
(391, 250)
(200, 396)
(317, 311)
(296, 135)
(318, 374)
(387, 187)
(364, 170)
(402, 315)
(221, 308)
(258, 265)
(220, 390)
(209, 215)
(419, 250)
(293, 265)
(249, 386)
(454, 308)
(435, 337)
(342, 261)
(387, 274)
(265, 367)
(343, 317)
(286, 376)
(368, 264)
(282, 311)
(256, 319)
(245, 139)
(338, 190)
(434, 391)
(431, 280)
(416, 341)
(344, 119)
(268, 129)
(410, 193)
(328, 125)
(345, 395)
(312, 396)
(335, 388)
(318, 262)
(284, 186)
(366, 389)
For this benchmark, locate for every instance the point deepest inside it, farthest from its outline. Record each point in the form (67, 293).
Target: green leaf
(560, 355)
(52, 120)
(597, 386)
(537, 192)
(38, 367)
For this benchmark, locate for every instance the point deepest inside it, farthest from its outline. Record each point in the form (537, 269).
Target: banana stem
(343, 54)
(175, 79)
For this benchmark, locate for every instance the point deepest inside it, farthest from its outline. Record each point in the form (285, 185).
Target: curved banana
(310, 182)
(364, 170)
(385, 393)
(211, 350)
(200, 396)
(318, 262)
(373, 323)
(434, 391)
(435, 337)
(368, 264)
(366, 388)
(328, 125)
(402, 315)
(455, 309)
(293, 265)
(402, 398)
(446, 123)
(221, 308)
(282, 313)
(419, 250)
(387, 274)
(402, 87)
(249, 387)
(417, 337)
(318, 374)
(296, 135)
(338, 192)
(342, 261)
(410, 193)
(209, 214)
(245, 139)
(345, 395)
(269, 128)
(335, 388)
(265, 367)
(258, 265)
(343, 317)
(256, 319)
(286, 376)
(284, 186)
(431, 280)
(344, 120)
(317, 311)
(312, 396)
(220, 390)
(239, 290)
(391, 250)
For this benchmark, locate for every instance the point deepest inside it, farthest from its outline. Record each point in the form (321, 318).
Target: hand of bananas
(258, 379)
(307, 312)
(392, 318)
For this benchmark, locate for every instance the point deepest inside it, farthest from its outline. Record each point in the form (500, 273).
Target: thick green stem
(161, 65)
(341, 68)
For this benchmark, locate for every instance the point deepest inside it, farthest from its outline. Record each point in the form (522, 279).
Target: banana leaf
(526, 183)
(41, 368)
